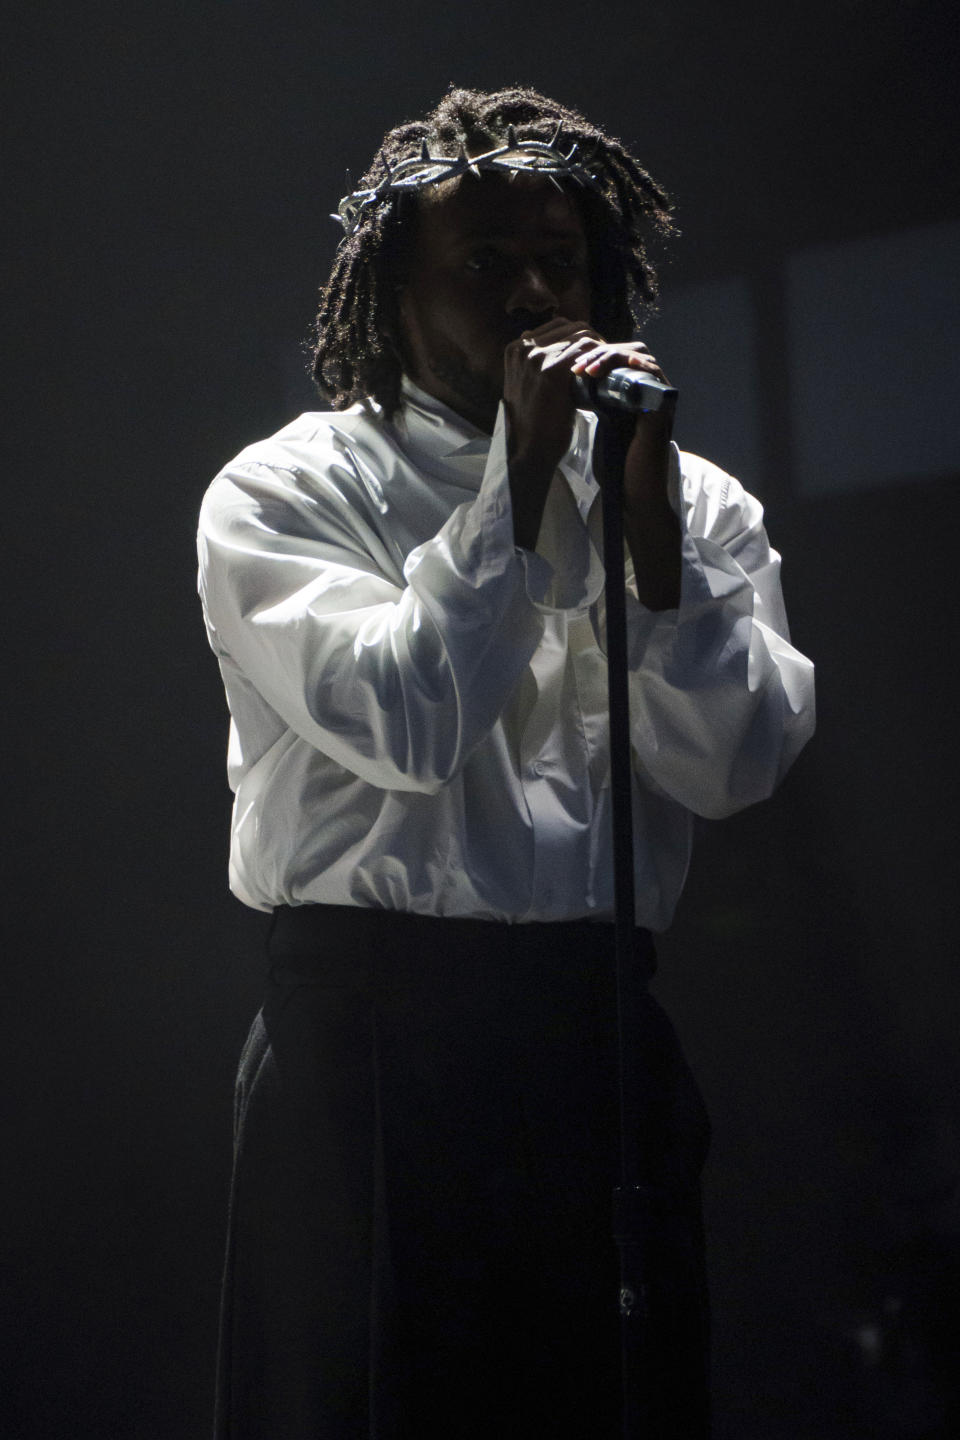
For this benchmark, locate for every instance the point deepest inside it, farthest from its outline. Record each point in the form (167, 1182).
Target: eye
(564, 260)
(487, 260)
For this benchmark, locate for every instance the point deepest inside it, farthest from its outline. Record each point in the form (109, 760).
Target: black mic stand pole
(642, 1210)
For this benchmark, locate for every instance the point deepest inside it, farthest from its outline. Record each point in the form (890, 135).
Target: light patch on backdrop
(874, 361)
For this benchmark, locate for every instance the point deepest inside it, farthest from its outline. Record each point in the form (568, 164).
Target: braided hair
(357, 350)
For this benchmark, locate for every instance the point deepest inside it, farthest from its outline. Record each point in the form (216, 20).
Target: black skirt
(426, 1146)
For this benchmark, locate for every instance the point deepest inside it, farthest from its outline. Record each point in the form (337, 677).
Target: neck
(472, 402)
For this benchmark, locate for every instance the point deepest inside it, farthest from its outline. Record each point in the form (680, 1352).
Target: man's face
(491, 258)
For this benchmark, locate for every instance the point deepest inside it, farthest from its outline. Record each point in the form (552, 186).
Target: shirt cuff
(565, 570)
(710, 581)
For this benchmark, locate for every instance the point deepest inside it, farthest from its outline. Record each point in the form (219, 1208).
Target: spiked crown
(529, 156)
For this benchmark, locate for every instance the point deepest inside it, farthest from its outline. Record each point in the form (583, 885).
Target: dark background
(173, 170)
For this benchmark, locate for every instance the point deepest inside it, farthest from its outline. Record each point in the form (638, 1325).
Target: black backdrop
(173, 171)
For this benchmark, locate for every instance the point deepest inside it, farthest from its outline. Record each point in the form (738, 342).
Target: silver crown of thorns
(530, 156)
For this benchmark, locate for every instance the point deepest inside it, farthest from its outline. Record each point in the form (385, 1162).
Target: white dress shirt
(419, 707)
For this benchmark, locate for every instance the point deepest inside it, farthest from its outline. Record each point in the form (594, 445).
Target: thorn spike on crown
(556, 134)
(535, 156)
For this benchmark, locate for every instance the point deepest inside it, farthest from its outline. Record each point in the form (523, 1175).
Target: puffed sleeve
(394, 665)
(720, 701)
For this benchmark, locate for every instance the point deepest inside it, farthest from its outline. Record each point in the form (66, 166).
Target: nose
(532, 294)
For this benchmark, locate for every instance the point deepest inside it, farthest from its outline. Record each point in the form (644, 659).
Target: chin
(473, 394)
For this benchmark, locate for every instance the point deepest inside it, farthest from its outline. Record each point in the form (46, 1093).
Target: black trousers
(426, 1145)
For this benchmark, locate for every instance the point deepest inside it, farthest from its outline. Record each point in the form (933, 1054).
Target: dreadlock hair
(357, 351)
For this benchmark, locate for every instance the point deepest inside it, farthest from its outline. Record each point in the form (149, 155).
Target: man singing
(405, 594)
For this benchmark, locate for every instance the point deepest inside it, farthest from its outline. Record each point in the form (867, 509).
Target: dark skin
(496, 305)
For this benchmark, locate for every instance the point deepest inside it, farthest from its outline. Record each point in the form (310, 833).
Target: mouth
(521, 320)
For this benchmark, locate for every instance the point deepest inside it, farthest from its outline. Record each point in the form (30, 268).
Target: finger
(601, 361)
(528, 347)
(648, 363)
(593, 354)
(565, 351)
(559, 328)
(627, 348)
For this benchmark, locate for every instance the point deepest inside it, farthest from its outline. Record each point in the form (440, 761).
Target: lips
(521, 320)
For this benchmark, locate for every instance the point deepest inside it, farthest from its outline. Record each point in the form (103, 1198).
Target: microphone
(625, 392)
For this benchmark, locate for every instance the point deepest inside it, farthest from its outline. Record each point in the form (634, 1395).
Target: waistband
(299, 930)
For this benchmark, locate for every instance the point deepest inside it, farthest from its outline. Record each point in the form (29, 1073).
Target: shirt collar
(438, 428)
(437, 434)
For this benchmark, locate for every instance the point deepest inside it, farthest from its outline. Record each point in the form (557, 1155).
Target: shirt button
(537, 767)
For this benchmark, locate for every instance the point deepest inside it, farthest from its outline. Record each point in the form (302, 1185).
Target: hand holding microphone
(560, 365)
(624, 391)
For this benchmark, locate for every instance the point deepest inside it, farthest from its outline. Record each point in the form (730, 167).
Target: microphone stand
(651, 1217)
